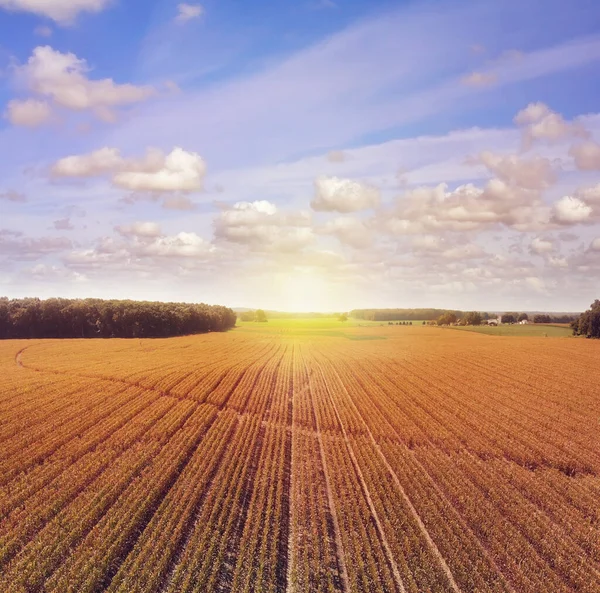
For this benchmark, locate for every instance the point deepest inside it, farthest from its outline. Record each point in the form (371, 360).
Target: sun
(304, 291)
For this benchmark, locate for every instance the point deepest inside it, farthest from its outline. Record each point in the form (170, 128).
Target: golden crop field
(373, 459)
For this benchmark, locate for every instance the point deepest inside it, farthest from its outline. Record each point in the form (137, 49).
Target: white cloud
(96, 163)
(181, 245)
(541, 123)
(540, 246)
(467, 208)
(178, 171)
(534, 173)
(595, 245)
(590, 195)
(349, 231)
(140, 230)
(262, 227)
(62, 77)
(187, 12)
(13, 196)
(61, 11)
(534, 112)
(480, 79)
(571, 210)
(586, 156)
(558, 262)
(178, 203)
(537, 284)
(63, 224)
(29, 112)
(343, 195)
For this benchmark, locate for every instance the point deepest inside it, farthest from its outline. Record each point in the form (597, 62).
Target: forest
(96, 318)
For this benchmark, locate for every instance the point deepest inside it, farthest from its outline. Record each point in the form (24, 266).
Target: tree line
(259, 315)
(588, 323)
(401, 314)
(97, 318)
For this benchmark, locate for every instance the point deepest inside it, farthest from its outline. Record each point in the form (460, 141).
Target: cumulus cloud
(178, 203)
(13, 196)
(63, 224)
(333, 194)
(95, 163)
(558, 262)
(480, 79)
(140, 230)
(440, 247)
(261, 226)
(537, 284)
(541, 123)
(17, 247)
(180, 245)
(539, 246)
(188, 12)
(571, 210)
(178, 171)
(63, 12)
(29, 112)
(62, 78)
(349, 231)
(586, 156)
(144, 251)
(534, 173)
(467, 208)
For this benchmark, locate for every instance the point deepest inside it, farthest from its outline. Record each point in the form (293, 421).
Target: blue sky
(302, 155)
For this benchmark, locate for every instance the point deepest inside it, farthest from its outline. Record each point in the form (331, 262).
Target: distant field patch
(531, 330)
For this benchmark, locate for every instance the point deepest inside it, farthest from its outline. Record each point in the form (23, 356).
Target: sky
(315, 155)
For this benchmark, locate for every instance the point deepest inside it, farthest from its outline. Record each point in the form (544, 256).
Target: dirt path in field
(432, 546)
(289, 587)
(339, 548)
(365, 488)
(19, 357)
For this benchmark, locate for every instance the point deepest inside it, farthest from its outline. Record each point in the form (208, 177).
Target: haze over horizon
(322, 156)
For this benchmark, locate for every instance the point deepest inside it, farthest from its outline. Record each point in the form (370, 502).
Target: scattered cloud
(349, 231)
(30, 113)
(480, 79)
(262, 226)
(534, 173)
(179, 171)
(140, 230)
(571, 210)
(595, 245)
(63, 79)
(539, 122)
(155, 172)
(178, 203)
(539, 246)
(188, 12)
(333, 194)
(586, 156)
(63, 12)
(13, 196)
(96, 163)
(63, 224)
